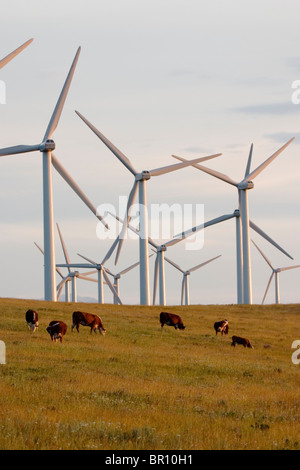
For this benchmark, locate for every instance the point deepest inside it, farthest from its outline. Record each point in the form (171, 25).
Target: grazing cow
(238, 340)
(88, 319)
(57, 330)
(221, 327)
(32, 320)
(171, 319)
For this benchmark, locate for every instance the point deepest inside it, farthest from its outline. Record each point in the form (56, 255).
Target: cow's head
(102, 330)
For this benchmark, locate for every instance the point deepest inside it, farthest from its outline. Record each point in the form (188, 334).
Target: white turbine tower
(46, 147)
(139, 185)
(13, 54)
(243, 186)
(275, 271)
(185, 292)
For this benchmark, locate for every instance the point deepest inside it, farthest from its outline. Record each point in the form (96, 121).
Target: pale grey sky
(157, 78)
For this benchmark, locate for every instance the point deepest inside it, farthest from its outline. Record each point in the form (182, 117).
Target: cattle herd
(57, 329)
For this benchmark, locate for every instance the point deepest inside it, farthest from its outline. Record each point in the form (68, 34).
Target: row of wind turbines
(243, 222)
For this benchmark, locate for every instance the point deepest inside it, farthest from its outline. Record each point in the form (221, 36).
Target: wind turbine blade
(63, 247)
(57, 269)
(249, 162)
(86, 278)
(261, 167)
(16, 149)
(182, 290)
(123, 159)
(111, 286)
(61, 100)
(174, 264)
(130, 268)
(211, 172)
(156, 268)
(87, 259)
(65, 175)
(191, 231)
(95, 271)
(131, 199)
(111, 250)
(269, 283)
(178, 166)
(269, 239)
(263, 255)
(203, 264)
(42, 251)
(13, 54)
(288, 268)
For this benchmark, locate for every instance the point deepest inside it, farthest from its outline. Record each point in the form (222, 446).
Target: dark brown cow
(238, 340)
(171, 319)
(88, 319)
(57, 330)
(221, 327)
(32, 320)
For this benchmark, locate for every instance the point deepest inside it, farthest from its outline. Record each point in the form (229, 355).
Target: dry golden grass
(143, 387)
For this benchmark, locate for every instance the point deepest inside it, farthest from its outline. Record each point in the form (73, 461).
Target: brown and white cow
(238, 340)
(88, 319)
(57, 330)
(221, 327)
(32, 320)
(171, 319)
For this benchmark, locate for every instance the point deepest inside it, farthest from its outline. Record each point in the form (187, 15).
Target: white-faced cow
(221, 327)
(57, 330)
(171, 319)
(88, 319)
(238, 340)
(32, 320)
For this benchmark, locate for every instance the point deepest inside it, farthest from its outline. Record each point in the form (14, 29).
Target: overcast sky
(157, 78)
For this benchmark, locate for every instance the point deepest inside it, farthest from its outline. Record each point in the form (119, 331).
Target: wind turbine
(139, 185)
(243, 186)
(46, 147)
(13, 54)
(72, 275)
(239, 256)
(275, 271)
(102, 272)
(69, 278)
(185, 280)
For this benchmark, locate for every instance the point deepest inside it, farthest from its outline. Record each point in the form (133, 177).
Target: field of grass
(146, 387)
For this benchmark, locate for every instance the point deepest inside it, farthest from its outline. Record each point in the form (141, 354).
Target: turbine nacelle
(49, 145)
(245, 185)
(161, 248)
(143, 176)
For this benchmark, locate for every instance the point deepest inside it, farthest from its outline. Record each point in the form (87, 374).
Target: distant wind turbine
(13, 54)
(139, 185)
(72, 275)
(185, 294)
(275, 271)
(239, 257)
(102, 272)
(243, 186)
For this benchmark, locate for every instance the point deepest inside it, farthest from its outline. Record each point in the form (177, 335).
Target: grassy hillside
(144, 387)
